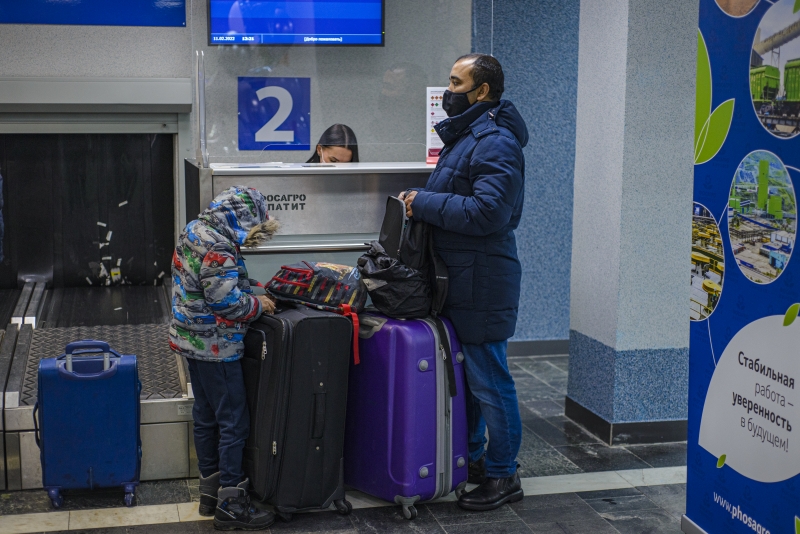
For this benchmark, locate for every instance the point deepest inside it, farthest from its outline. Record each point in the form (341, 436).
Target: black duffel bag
(396, 289)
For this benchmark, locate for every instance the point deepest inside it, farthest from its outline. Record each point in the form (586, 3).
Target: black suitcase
(295, 366)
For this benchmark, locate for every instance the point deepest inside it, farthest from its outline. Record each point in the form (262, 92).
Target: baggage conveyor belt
(8, 301)
(166, 403)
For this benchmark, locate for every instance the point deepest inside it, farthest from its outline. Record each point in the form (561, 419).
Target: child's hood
(235, 212)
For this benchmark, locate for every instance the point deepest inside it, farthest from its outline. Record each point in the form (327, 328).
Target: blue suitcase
(88, 427)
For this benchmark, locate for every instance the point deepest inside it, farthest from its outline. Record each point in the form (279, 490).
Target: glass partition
(272, 103)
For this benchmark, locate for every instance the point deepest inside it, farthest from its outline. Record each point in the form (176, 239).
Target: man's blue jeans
(492, 401)
(221, 419)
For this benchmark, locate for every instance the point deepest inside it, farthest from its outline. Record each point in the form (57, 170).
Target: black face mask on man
(456, 103)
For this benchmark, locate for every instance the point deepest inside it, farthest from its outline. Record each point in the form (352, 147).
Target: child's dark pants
(221, 419)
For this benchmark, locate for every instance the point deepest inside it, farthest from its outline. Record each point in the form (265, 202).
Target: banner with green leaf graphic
(744, 383)
(710, 127)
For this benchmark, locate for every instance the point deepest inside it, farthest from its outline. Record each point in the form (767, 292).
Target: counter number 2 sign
(274, 113)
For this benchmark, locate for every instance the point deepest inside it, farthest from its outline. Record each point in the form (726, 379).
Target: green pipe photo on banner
(762, 217)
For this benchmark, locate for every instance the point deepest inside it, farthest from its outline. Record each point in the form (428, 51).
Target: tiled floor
(653, 509)
(552, 445)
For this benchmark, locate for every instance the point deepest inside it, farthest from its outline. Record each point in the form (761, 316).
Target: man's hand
(409, 200)
(267, 304)
(402, 195)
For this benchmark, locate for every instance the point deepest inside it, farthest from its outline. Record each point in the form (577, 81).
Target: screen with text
(296, 22)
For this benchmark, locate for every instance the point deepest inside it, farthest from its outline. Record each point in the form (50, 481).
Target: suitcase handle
(85, 344)
(91, 346)
(444, 340)
(36, 426)
(369, 326)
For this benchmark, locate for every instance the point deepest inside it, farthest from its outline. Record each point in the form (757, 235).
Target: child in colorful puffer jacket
(212, 305)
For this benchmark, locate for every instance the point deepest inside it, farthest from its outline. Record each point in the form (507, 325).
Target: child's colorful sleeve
(219, 276)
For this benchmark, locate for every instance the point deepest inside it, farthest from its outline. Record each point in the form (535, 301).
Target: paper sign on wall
(434, 114)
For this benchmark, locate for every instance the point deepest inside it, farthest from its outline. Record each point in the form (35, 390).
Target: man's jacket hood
(479, 119)
(235, 212)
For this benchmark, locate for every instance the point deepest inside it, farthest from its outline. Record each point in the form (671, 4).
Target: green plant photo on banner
(710, 127)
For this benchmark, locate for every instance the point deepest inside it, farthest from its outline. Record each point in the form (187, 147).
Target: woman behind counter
(336, 145)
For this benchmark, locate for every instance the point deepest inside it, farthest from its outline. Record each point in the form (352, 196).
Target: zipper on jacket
(274, 448)
(264, 349)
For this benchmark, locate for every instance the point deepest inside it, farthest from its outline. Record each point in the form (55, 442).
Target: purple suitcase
(405, 437)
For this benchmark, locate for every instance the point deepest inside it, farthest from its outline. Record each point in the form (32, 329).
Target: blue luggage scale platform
(88, 433)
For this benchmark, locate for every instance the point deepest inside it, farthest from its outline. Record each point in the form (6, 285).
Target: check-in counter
(327, 211)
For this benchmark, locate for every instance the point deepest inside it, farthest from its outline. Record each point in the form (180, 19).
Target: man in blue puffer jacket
(474, 201)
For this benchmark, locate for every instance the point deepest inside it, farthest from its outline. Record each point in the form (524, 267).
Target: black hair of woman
(338, 135)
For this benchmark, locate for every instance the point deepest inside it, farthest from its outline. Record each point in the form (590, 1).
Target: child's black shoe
(209, 487)
(234, 511)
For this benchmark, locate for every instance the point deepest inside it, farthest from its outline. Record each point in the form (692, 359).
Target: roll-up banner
(744, 382)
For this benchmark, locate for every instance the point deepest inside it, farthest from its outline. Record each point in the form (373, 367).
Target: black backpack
(405, 277)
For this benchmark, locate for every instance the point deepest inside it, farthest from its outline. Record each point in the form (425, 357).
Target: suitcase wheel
(409, 512)
(56, 499)
(343, 506)
(284, 516)
(130, 494)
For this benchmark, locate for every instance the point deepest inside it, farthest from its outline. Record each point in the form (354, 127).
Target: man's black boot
(209, 487)
(477, 471)
(493, 493)
(234, 511)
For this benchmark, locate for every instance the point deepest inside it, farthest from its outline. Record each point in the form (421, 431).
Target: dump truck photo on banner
(775, 69)
(744, 362)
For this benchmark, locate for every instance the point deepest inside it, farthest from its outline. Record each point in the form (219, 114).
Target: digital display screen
(95, 12)
(296, 22)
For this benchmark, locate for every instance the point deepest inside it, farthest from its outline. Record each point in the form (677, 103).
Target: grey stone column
(629, 303)
(537, 44)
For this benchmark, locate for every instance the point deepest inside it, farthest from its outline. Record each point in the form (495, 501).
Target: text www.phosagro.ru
(736, 513)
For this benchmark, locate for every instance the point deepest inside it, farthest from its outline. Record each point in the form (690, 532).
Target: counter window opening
(337, 144)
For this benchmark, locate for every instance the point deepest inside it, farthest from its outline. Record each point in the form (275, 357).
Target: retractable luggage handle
(448, 355)
(91, 346)
(440, 273)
